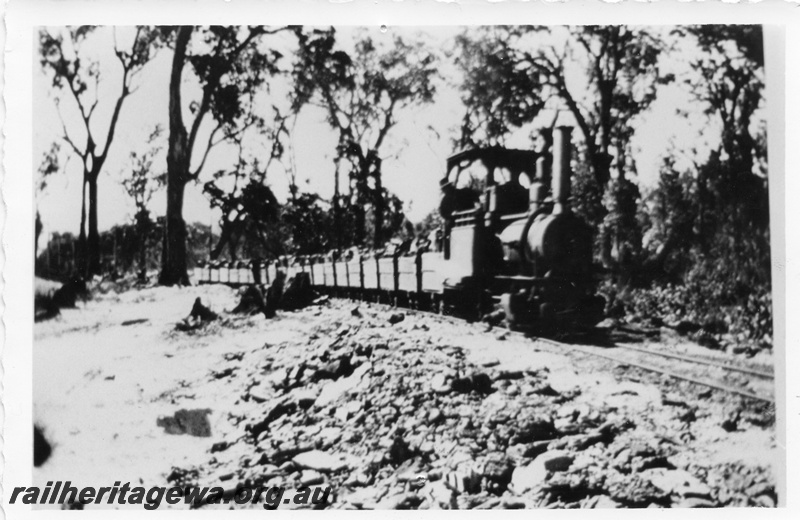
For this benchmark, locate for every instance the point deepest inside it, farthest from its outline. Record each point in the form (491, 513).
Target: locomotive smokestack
(562, 173)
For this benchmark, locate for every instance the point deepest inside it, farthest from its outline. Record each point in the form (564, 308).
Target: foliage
(708, 227)
(250, 211)
(50, 165)
(140, 185)
(362, 93)
(705, 298)
(306, 224)
(144, 181)
(120, 250)
(231, 67)
(430, 223)
(498, 93)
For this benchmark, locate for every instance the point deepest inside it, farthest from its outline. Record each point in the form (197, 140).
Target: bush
(718, 306)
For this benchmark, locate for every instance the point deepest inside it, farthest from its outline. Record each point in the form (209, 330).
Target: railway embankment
(389, 407)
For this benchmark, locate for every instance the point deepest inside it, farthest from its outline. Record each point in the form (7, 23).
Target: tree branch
(78, 151)
(194, 175)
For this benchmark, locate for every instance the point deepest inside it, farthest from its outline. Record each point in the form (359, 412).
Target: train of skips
(509, 243)
(389, 276)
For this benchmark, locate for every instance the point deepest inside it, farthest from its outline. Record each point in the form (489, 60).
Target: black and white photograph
(381, 266)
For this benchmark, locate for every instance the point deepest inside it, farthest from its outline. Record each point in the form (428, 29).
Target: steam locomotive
(509, 243)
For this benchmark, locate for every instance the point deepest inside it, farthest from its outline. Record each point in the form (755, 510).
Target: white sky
(416, 148)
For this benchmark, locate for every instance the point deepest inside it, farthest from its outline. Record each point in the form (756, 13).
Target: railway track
(732, 379)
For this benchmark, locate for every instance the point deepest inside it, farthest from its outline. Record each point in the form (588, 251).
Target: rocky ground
(390, 408)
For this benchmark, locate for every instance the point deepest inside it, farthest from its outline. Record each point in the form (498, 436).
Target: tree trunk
(173, 258)
(93, 245)
(173, 266)
(378, 205)
(337, 217)
(82, 265)
(224, 237)
(38, 226)
(143, 225)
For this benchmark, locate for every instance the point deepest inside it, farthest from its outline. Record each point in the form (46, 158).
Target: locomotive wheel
(547, 312)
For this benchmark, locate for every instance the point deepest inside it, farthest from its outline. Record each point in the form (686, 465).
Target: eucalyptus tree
(362, 93)
(142, 181)
(229, 64)
(77, 77)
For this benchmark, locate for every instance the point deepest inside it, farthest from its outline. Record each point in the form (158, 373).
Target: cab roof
(515, 161)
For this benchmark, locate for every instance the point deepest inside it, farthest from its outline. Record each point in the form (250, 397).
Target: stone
(311, 478)
(556, 460)
(251, 302)
(731, 421)
(678, 482)
(359, 479)
(534, 428)
(337, 368)
(464, 480)
(403, 501)
(507, 375)
(201, 312)
(441, 495)
(634, 491)
(765, 501)
(332, 391)
(277, 408)
(399, 451)
(535, 473)
(497, 470)
(297, 293)
(439, 384)
(694, 502)
(219, 446)
(435, 416)
(349, 410)
(604, 502)
(187, 422)
(320, 461)
(304, 397)
(397, 317)
(477, 382)
(528, 477)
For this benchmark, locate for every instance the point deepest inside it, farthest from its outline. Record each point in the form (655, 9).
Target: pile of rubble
(391, 414)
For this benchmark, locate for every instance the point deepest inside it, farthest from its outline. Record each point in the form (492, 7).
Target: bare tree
(78, 77)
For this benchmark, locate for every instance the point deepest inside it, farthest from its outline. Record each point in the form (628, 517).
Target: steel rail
(675, 375)
(692, 359)
(643, 366)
